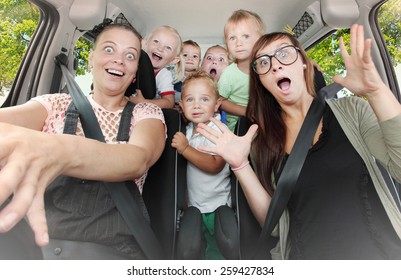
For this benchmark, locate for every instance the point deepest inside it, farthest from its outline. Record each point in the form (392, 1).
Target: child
(214, 61)
(191, 52)
(163, 45)
(208, 175)
(241, 32)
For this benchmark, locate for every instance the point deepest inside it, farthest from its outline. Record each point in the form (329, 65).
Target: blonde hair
(200, 75)
(178, 70)
(243, 15)
(230, 59)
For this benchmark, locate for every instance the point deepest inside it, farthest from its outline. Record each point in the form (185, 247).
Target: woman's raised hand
(234, 149)
(361, 77)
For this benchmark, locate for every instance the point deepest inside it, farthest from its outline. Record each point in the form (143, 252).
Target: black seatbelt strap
(293, 166)
(121, 196)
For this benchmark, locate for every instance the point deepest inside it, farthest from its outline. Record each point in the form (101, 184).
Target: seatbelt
(293, 166)
(121, 196)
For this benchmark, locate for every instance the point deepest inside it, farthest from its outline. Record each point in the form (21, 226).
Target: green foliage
(327, 54)
(81, 52)
(18, 21)
(389, 19)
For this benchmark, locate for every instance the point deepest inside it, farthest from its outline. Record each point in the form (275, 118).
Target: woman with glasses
(340, 207)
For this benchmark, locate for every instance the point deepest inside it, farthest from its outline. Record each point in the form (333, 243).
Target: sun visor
(85, 14)
(339, 13)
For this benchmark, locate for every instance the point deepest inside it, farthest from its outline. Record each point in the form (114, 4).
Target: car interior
(177, 227)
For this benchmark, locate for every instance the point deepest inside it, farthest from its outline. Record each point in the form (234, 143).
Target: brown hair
(268, 146)
(118, 26)
(191, 43)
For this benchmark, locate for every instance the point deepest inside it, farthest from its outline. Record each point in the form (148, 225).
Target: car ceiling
(203, 21)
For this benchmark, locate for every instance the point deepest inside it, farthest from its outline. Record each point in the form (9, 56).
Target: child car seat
(164, 187)
(145, 78)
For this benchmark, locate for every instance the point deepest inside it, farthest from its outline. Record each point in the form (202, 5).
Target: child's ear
(175, 60)
(218, 103)
(181, 105)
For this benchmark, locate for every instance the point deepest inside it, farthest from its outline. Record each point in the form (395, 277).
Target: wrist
(184, 149)
(241, 166)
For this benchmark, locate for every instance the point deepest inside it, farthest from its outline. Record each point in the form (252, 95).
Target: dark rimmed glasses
(286, 55)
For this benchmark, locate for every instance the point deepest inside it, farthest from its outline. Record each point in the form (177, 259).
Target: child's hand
(180, 142)
(137, 97)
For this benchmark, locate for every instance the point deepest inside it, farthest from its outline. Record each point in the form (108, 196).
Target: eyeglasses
(286, 55)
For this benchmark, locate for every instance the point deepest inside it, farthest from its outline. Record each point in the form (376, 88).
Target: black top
(335, 212)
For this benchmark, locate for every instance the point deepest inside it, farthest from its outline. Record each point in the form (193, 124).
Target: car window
(81, 53)
(18, 21)
(327, 52)
(389, 18)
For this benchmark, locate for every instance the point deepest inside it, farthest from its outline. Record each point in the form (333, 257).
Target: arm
(363, 79)
(205, 162)
(235, 151)
(30, 160)
(118, 162)
(232, 108)
(166, 101)
(31, 115)
(225, 90)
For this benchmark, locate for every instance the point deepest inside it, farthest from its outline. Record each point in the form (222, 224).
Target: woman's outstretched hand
(27, 166)
(234, 149)
(362, 77)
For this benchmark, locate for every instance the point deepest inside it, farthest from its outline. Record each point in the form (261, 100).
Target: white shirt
(206, 191)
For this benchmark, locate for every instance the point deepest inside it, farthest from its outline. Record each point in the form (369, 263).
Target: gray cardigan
(372, 140)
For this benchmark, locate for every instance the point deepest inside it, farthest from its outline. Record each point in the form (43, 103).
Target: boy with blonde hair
(241, 32)
(208, 175)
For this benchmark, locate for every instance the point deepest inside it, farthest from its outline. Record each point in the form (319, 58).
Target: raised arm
(363, 79)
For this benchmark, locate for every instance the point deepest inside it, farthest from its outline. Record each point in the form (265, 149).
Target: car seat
(145, 78)
(164, 188)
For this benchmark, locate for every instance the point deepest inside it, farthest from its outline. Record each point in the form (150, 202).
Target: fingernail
(8, 222)
(46, 238)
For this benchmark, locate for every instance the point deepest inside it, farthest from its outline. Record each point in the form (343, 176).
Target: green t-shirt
(234, 86)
